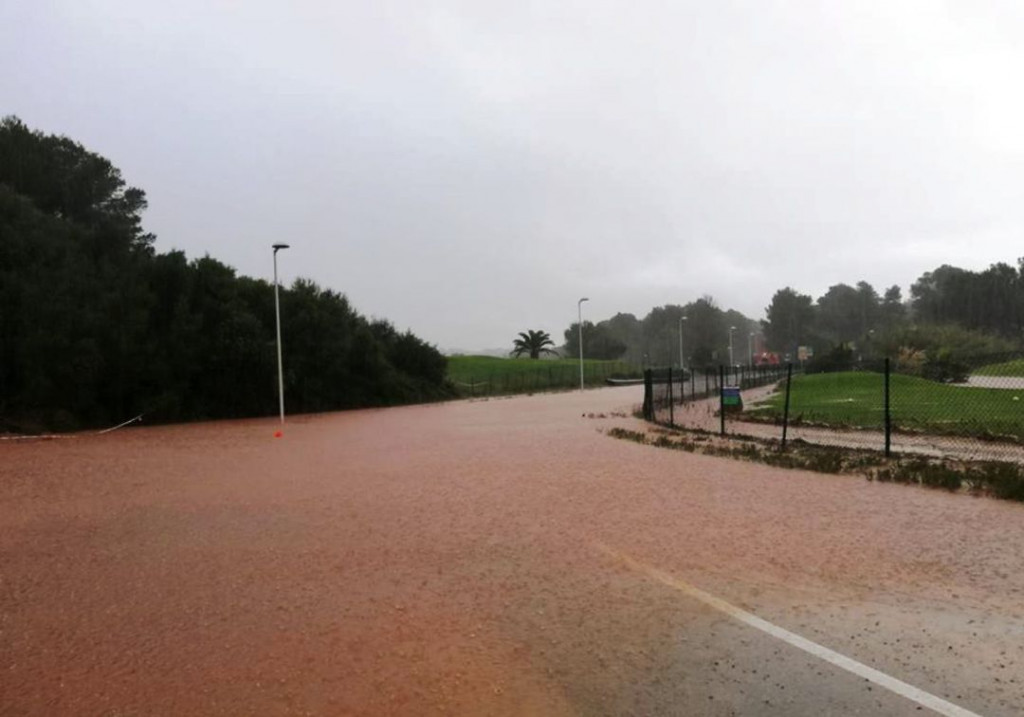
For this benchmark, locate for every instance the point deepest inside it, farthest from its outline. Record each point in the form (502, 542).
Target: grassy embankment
(489, 376)
(855, 399)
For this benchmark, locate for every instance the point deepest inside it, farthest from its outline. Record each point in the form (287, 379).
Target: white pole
(579, 323)
(731, 329)
(277, 313)
(682, 361)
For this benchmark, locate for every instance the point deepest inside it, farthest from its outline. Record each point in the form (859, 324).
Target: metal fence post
(721, 396)
(648, 396)
(888, 416)
(671, 402)
(785, 412)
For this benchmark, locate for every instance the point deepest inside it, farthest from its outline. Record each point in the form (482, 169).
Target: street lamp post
(731, 329)
(579, 323)
(277, 313)
(682, 361)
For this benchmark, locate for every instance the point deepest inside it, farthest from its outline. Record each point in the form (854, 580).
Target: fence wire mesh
(693, 398)
(974, 411)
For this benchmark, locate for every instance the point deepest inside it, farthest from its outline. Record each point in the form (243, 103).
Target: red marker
(278, 434)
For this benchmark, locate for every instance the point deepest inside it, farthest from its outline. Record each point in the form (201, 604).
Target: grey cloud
(469, 170)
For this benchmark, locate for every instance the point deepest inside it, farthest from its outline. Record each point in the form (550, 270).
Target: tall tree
(892, 311)
(790, 321)
(660, 334)
(625, 329)
(65, 180)
(533, 344)
(598, 342)
(846, 313)
(944, 295)
(869, 306)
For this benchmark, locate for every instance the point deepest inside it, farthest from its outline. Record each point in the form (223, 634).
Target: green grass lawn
(488, 375)
(1008, 368)
(856, 399)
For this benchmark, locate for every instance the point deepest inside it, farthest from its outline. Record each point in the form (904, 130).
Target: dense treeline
(654, 340)
(991, 301)
(844, 314)
(96, 326)
(952, 313)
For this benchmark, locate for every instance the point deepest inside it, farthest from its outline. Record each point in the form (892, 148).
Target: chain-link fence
(971, 410)
(693, 397)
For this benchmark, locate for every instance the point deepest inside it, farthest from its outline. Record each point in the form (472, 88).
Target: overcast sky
(469, 170)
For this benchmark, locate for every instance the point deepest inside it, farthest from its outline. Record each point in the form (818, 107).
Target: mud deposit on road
(443, 560)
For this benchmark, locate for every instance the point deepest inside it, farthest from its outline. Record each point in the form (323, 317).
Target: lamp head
(278, 247)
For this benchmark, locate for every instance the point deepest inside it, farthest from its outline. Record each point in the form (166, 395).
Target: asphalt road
(488, 557)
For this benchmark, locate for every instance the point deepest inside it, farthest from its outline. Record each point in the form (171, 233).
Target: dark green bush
(1004, 480)
(838, 358)
(943, 367)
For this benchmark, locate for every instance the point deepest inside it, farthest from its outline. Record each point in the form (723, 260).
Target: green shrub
(1004, 480)
(838, 358)
(943, 367)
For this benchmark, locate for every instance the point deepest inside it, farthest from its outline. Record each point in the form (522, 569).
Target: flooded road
(499, 557)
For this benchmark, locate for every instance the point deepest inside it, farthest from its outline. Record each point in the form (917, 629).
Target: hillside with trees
(98, 327)
(654, 340)
(953, 315)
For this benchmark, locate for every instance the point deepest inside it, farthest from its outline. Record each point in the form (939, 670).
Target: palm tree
(534, 343)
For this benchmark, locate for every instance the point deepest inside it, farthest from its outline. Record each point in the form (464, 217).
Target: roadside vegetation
(96, 326)
(490, 376)
(991, 478)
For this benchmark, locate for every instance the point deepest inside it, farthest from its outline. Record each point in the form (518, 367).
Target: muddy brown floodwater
(459, 559)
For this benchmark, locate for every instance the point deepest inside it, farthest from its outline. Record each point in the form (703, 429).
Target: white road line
(925, 699)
